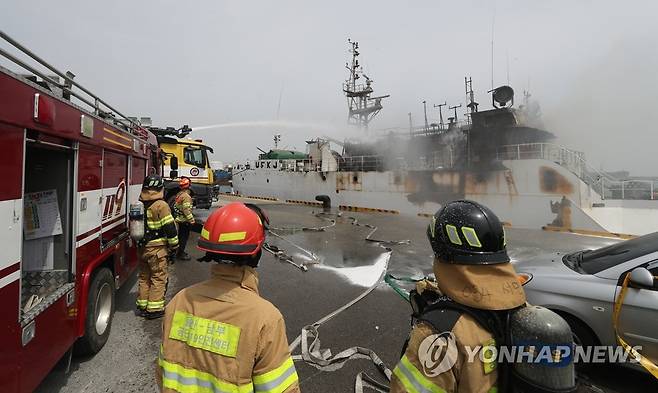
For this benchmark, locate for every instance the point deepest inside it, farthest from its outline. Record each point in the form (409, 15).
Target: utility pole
(440, 113)
(425, 111)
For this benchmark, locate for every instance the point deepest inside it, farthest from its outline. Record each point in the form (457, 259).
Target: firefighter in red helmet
(184, 217)
(220, 335)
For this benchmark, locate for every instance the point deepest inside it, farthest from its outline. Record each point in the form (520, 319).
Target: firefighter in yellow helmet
(160, 240)
(220, 335)
(184, 217)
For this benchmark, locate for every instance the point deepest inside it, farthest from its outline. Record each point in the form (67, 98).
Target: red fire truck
(68, 177)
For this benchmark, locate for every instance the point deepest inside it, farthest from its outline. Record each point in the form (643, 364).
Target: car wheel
(582, 334)
(100, 310)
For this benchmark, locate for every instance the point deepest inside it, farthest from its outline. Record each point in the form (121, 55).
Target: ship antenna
(411, 125)
(425, 111)
(278, 107)
(470, 96)
(362, 108)
(493, 23)
(454, 119)
(508, 67)
(441, 113)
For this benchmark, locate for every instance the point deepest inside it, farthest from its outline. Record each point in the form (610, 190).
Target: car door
(638, 320)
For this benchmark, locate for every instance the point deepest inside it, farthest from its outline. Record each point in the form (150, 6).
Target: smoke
(608, 109)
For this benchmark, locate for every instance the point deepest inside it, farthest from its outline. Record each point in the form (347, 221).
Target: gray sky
(590, 64)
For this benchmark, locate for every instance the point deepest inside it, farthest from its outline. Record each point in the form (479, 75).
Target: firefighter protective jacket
(221, 336)
(474, 365)
(161, 228)
(183, 207)
(415, 372)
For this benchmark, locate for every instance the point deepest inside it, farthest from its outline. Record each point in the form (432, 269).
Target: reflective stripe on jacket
(183, 207)
(160, 220)
(221, 336)
(419, 373)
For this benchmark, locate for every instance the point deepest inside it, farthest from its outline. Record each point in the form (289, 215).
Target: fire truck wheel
(100, 310)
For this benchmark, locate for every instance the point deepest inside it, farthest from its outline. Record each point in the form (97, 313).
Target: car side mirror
(173, 174)
(173, 163)
(642, 277)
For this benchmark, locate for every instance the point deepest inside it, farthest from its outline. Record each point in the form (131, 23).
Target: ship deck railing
(372, 163)
(604, 184)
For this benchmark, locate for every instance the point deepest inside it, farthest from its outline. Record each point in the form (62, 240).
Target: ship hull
(523, 193)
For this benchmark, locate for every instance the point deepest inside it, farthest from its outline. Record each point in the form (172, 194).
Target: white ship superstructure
(500, 157)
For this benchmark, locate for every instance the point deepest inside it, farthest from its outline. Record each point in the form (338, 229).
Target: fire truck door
(47, 282)
(114, 198)
(47, 224)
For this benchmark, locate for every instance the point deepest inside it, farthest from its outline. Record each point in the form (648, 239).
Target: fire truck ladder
(106, 111)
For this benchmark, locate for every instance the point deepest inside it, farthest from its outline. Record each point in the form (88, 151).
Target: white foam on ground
(363, 276)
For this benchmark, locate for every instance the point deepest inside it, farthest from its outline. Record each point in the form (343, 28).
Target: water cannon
(171, 131)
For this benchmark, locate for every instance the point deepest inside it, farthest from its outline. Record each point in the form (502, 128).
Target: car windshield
(594, 261)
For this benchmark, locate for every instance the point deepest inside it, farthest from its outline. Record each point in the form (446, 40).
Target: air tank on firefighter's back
(547, 340)
(136, 218)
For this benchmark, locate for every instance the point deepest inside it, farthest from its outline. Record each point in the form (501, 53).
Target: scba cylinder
(136, 216)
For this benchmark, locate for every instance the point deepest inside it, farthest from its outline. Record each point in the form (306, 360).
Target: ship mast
(362, 107)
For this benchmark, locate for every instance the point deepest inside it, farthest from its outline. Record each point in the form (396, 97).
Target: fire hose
(311, 351)
(313, 354)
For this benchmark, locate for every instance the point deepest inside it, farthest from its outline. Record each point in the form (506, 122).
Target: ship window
(194, 156)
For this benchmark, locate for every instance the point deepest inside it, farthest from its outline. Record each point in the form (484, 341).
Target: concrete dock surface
(341, 265)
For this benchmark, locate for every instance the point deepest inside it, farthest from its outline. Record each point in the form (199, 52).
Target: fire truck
(183, 156)
(71, 165)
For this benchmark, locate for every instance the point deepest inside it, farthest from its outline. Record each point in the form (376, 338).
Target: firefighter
(160, 240)
(472, 272)
(184, 217)
(220, 335)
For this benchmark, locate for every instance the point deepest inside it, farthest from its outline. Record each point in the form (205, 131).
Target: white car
(582, 287)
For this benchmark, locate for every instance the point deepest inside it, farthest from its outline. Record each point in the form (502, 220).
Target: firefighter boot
(154, 314)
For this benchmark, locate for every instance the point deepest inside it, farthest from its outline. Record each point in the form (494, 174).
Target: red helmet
(184, 182)
(234, 229)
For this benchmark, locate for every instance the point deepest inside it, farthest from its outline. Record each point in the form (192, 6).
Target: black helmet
(153, 182)
(466, 232)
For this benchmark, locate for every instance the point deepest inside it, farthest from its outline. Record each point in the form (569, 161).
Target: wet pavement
(341, 264)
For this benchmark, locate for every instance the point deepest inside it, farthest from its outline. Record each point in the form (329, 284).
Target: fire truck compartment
(46, 269)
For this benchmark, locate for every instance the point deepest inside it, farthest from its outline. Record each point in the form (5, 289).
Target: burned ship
(501, 157)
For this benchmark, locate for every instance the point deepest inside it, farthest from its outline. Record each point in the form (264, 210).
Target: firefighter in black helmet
(160, 240)
(475, 307)
(472, 271)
